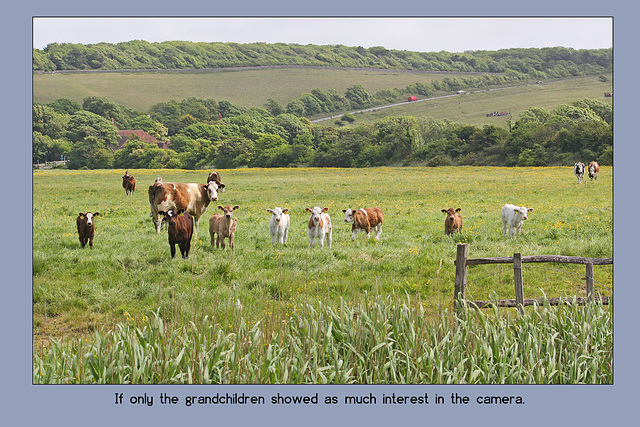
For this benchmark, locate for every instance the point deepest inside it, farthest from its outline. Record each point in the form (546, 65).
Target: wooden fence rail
(463, 260)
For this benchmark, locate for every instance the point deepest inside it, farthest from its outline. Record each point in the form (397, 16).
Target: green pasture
(129, 273)
(472, 108)
(246, 88)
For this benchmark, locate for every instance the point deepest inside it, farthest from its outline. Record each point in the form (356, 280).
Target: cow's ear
(180, 211)
(307, 209)
(444, 211)
(458, 210)
(285, 210)
(81, 214)
(221, 186)
(270, 211)
(96, 214)
(516, 211)
(220, 207)
(236, 207)
(530, 210)
(325, 209)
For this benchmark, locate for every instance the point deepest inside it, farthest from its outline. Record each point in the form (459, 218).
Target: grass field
(472, 108)
(252, 88)
(246, 88)
(130, 273)
(312, 315)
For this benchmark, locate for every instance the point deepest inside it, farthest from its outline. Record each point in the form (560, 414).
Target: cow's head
(348, 215)
(212, 191)
(451, 213)
(215, 177)
(170, 216)
(316, 213)
(88, 216)
(522, 212)
(228, 210)
(276, 213)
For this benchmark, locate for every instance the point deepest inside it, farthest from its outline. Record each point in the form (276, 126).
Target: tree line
(538, 63)
(205, 133)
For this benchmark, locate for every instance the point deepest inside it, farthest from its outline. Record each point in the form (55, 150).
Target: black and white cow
(578, 168)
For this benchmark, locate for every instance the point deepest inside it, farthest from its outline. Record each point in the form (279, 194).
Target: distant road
(412, 102)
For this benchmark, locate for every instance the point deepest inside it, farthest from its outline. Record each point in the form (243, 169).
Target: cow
(158, 179)
(128, 183)
(86, 227)
(223, 225)
(453, 221)
(364, 220)
(513, 216)
(578, 169)
(594, 168)
(179, 229)
(191, 198)
(320, 226)
(279, 225)
(215, 177)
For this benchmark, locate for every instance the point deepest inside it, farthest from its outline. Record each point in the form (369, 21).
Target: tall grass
(379, 342)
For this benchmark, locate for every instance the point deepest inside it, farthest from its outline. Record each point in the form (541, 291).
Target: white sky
(412, 34)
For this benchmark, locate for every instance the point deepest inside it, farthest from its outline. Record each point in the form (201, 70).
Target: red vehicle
(412, 98)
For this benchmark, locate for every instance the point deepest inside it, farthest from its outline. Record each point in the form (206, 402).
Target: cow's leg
(91, 241)
(321, 241)
(284, 236)
(378, 231)
(329, 237)
(173, 250)
(231, 241)
(274, 237)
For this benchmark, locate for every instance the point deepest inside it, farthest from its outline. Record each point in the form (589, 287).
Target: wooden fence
(462, 261)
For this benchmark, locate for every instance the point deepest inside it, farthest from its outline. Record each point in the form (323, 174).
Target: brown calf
(180, 230)
(365, 220)
(453, 221)
(86, 227)
(224, 226)
(129, 183)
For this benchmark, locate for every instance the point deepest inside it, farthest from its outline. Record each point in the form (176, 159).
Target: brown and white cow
(320, 226)
(453, 221)
(86, 227)
(593, 169)
(179, 229)
(128, 183)
(364, 220)
(192, 198)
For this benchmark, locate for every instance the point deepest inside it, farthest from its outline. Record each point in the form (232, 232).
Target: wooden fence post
(460, 290)
(589, 281)
(517, 273)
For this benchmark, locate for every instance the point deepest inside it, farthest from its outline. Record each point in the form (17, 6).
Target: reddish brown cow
(594, 168)
(365, 220)
(192, 198)
(453, 221)
(86, 227)
(129, 183)
(180, 230)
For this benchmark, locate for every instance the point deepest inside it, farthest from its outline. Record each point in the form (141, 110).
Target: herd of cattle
(180, 207)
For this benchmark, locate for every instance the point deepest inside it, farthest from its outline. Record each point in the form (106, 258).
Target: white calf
(320, 226)
(513, 216)
(279, 225)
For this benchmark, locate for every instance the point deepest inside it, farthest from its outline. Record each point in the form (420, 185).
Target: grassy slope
(247, 88)
(130, 271)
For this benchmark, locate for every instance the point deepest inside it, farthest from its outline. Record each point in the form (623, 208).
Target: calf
(453, 221)
(320, 226)
(513, 216)
(128, 183)
(223, 225)
(86, 227)
(180, 230)
(364, 220)
(279, 225)
(578, 169)
(594, 168)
